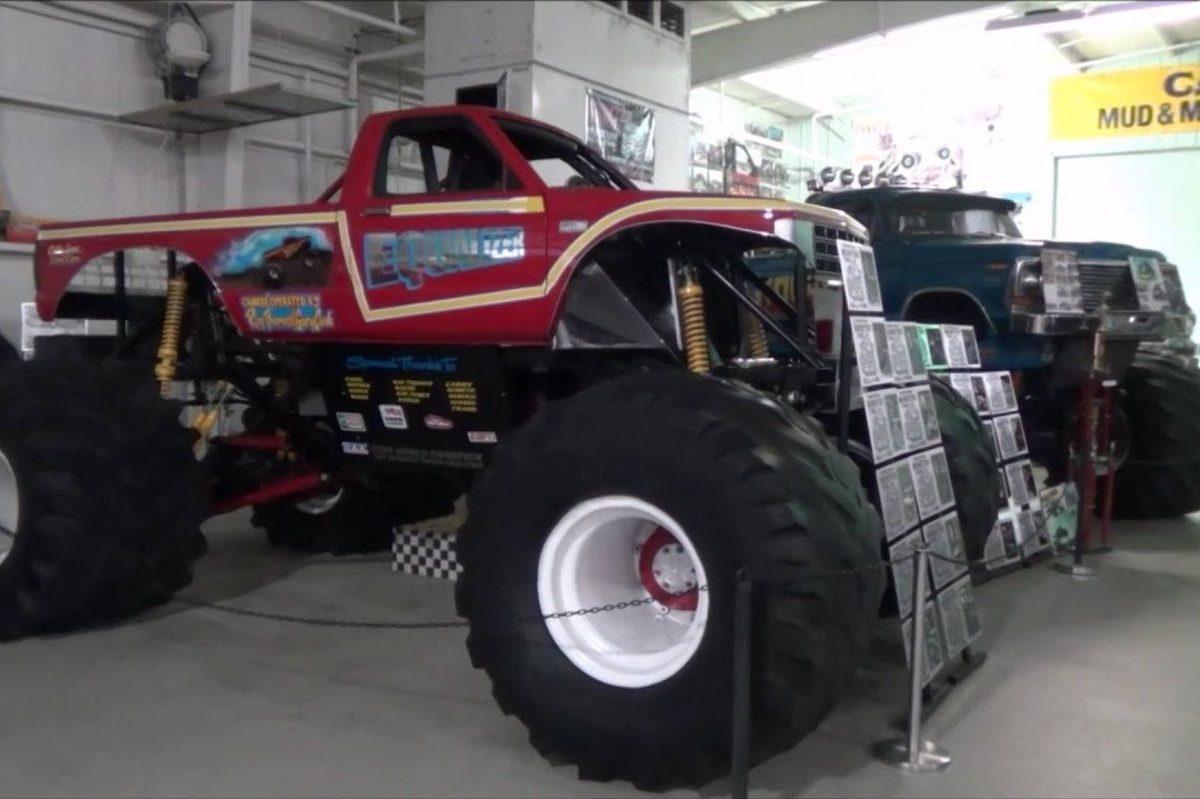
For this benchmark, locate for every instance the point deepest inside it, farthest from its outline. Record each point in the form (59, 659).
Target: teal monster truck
(953, 257)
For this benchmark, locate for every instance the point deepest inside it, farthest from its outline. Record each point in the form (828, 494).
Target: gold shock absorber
(168, 346)
(691, 319)
(754, 336)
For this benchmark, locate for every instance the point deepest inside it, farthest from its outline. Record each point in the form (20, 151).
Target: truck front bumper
(1145, 325)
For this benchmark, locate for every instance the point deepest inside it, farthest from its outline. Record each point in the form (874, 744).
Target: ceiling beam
(791, 36)
(747, 10)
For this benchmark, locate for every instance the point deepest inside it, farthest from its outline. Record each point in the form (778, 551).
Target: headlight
(1027, 286)
(1030, 281)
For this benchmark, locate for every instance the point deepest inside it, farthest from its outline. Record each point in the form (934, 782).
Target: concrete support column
(214, 164)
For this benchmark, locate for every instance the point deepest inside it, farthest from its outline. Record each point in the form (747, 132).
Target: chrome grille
(825, 241)
(1098, 278)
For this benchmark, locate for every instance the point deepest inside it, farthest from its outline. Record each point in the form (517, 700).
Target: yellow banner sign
(1131, 102)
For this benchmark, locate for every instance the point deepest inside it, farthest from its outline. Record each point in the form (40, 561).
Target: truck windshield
(559, 160)
(928, 217)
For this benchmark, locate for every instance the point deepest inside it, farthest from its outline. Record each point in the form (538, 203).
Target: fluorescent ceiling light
(1113, 17)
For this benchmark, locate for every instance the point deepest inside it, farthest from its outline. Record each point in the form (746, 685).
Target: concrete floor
(1089, 690)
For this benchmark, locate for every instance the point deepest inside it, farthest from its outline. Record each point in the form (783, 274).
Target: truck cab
(950, 256)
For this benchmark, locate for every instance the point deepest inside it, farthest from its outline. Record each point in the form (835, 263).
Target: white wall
(465, 37)
(65, 75)
(726, 115)
(62, 79)
(560, 99)
(824, 141)
(595, 44)
(538, 44)
(16, 287)
(1139, 198)
(581, 44)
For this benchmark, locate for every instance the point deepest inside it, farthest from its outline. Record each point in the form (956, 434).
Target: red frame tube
(276, 489)
(269, 441)
(1087, 475)
(1110, 477)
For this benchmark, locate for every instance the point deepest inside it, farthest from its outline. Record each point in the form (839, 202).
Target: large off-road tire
(100, 487)
(654, 487)
(8, 354)
(1160, 478)
(974, 468)
(354, 519)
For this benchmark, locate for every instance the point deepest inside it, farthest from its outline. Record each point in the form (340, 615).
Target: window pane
(558, 160)
(404, 175)
(458, 159)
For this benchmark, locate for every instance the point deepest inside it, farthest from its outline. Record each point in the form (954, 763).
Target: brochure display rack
(912, 476)
(1020, 531)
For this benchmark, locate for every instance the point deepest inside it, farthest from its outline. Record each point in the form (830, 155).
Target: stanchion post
(913, 753)
(1110, 473)
(845, 373)
(740, 755)
(1085, 476)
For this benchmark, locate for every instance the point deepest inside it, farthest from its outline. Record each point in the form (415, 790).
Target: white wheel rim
(319, 506)
(10, 506)
(590, 559)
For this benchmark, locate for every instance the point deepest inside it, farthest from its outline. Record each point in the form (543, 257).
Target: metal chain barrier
(912, 753)
(607, 608)
(442, 625)
(318, 622)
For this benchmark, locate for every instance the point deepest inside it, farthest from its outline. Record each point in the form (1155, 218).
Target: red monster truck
(587, 360)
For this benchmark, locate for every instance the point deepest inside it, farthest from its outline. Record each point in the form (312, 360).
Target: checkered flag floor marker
(425, 553)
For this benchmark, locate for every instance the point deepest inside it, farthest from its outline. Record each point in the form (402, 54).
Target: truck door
(449, 226)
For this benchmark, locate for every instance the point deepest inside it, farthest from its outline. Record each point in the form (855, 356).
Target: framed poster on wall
(623, 132)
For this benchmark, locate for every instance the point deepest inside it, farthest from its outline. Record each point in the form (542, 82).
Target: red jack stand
(1092, 457)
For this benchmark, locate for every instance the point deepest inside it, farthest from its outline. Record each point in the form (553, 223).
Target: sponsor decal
(410, 258)
(357, 388)
(572, 226)
(355, 448)
(63, 254)
(287, 313)
(277, 257)
(454, 459)
(403, 363)
(481, 436)
(435, 422)
(352, 422)
(393, 417)
(463, 396)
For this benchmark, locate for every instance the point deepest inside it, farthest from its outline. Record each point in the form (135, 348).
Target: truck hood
(954, 250)
(591, 200)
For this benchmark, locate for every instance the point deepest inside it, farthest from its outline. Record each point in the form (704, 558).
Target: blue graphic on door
(410, 258)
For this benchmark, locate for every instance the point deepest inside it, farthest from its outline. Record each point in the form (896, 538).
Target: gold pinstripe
(190, 225)
(512, 205)
(538, 291)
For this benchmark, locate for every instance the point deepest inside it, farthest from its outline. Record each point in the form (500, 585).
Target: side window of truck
(443, 155)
